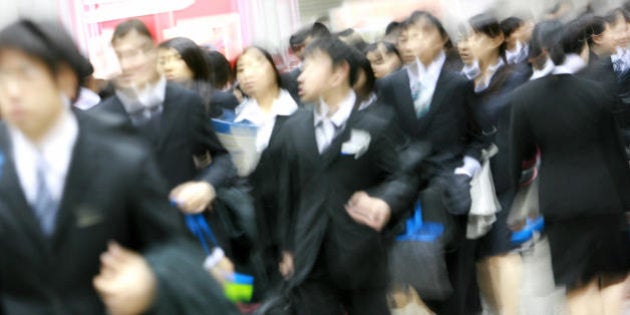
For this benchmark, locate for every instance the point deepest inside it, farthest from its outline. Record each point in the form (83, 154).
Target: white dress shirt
(517, 55)
(571, 65)
(54, 150)
(87, 99)
(482, 86)
(546, 70)
(138, 99)
(471, 71)
(283, 105)
(427, 77)
(327, 128)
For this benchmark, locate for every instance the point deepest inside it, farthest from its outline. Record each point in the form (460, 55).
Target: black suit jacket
(113, 191)
(492, 112)
(314, 189)
(183, 131)
(289, 82)
(447, 126)
(264, 182)
(583, 172)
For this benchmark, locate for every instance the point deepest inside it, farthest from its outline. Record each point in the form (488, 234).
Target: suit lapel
(77, 185)
(170, 113)
(441, 88)
(307, 145)
(12, 194)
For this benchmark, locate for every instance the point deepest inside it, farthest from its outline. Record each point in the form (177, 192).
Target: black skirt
(584, 248)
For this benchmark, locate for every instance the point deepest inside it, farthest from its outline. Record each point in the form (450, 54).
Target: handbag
(484, 202)
(417, 258)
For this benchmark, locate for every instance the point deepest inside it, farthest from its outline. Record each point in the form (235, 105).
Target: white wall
(11, 10)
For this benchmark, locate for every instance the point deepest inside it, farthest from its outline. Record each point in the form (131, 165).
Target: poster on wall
(215, 24)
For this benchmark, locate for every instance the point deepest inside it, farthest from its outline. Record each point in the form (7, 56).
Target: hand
(286, 265)
(369, 211)
(125, 283)
(193, 197)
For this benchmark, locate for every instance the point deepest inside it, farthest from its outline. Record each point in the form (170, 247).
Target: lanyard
(199, 227)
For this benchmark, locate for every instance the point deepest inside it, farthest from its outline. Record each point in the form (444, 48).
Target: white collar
(471, 71)
(283, 105)
(340, 117)
(518, 54)
(150, 95)
(493, 70)
(546, 70)
(571, 65)
(369, 101)
(87, 99)
(55, 148)
(427, 75)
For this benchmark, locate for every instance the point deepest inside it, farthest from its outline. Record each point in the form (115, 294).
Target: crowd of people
(125, 198)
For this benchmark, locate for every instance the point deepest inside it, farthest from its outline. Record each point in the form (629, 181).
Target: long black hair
(267, 55)
(487, 23)
(192, 55)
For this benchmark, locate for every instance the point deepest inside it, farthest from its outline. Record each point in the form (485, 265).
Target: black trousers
(318, 296)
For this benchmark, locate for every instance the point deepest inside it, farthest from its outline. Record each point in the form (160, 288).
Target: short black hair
(392, 27)
(338, 51)
(487, 23)
(572, 39)
(319, 30)
(126, 27)
(389, 48)
(544, 37)
(48, 41)
(361, 62)
(269, 59)
(417, 16)
(352, 38)
(511, 24)
(298, 38)
(192, 55)
(220, 70)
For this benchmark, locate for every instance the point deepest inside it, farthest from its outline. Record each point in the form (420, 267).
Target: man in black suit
(432, 104)
(170, 117)
(298, 43)
(341, 188)
(79, 199)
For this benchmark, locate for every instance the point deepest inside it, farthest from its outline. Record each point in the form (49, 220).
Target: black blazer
(183, 131)
(289, 82)
(491, 109)
(583, 172)
(113, 191)
(314, 189)
(447, 126)
(264, 183)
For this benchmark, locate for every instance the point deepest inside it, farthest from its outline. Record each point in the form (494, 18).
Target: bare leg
(585, 300)
(504, 273)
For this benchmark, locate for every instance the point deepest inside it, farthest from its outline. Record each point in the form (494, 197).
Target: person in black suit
(432, 104)
(266, 106)
(298, 42)
(80, 199)
(181, 60)
(341, 189)
(498, 266)
(584, 177)
(170, 118)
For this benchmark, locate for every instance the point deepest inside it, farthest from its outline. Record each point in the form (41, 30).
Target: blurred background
(230, 25)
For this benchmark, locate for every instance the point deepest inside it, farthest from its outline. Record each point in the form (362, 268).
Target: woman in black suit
(584, 180)
(267, 106)
(181, 60)
(498, 267)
